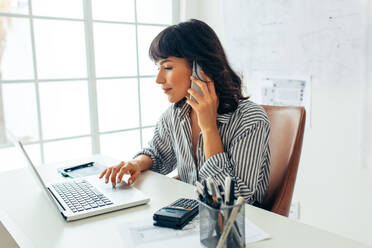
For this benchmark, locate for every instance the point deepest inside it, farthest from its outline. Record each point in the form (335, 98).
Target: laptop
(86, 196)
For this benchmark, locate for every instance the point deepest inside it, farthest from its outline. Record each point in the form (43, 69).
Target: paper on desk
(253, 233)
(144, 234)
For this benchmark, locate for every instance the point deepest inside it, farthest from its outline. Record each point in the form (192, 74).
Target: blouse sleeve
(247, 160)
(160, 148)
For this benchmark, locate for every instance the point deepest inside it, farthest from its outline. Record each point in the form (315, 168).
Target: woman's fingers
(117, 172)
(108, 173)
(123, 170)
(134, 177)
(111, 171)
(103, 173)
(210, 84)
(114, 172)
(203, 85)
(192, 103)
(208, 79)
(212, 89)
(130, 169)
(195, 94)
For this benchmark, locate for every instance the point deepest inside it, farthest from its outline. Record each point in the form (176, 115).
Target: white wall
(367, 94)
(209, 11)
(333, 188)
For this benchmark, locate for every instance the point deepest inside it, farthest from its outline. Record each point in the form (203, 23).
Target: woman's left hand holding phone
(205, 106)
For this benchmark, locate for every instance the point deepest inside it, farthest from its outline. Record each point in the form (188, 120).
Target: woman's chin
(173, 99)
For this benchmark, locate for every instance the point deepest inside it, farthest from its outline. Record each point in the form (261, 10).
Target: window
(75, 77)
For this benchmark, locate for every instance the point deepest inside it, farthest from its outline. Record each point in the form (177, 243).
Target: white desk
(29, 208)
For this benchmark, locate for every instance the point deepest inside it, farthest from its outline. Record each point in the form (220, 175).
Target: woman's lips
(166, 90)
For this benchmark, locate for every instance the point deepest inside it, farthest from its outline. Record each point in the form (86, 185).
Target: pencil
(230, 222)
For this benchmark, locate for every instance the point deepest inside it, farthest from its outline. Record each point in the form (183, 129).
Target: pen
(78, 167)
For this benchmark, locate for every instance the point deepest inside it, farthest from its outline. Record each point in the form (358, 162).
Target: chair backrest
(287, 130)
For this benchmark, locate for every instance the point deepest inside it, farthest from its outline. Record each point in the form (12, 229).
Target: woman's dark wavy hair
(195, 40)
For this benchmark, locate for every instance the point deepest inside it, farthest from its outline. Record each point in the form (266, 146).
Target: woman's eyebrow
(166, 60)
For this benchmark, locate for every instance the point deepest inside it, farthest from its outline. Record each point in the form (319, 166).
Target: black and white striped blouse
(245, 138)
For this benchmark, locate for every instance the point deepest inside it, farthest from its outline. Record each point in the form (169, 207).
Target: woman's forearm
(144, 162)
(212, 142)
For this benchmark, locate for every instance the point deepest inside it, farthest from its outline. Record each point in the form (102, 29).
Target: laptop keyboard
(80, 195)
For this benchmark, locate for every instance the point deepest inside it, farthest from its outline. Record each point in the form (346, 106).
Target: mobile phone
(196, 73)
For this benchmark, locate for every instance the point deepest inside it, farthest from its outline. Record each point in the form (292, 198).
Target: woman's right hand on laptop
(117, 172)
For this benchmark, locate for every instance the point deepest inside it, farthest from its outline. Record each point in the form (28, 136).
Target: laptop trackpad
(122, 192)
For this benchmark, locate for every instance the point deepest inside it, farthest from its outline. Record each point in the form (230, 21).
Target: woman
(220, 133)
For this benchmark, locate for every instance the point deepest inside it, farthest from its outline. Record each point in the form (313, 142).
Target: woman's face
(174, 77)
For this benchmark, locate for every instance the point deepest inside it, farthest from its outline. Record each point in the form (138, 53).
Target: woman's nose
(160, 78)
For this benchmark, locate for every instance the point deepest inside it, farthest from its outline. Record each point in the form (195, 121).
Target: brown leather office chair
(287, 130)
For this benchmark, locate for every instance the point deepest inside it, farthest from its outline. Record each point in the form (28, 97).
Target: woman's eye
(167, 68)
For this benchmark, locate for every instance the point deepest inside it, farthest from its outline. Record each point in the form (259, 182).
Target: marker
(218, 195)
(207, 198)
(220, 188)
(227, 189)
(232, 193)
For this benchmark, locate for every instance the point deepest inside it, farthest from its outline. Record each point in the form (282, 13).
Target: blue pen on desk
(66, 171)
(78, 167)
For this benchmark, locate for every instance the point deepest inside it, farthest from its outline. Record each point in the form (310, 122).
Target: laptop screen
(20, 147)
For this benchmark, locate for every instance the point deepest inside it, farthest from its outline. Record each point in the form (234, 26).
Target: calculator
(177, 214)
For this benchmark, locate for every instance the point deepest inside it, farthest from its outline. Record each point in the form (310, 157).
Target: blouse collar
(184, 109)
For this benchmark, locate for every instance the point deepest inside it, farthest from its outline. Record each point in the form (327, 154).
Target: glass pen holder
(213, 222)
